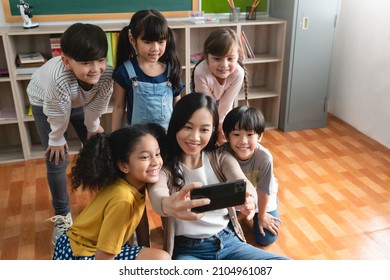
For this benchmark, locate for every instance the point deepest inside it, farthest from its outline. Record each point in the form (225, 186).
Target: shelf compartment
(269, 107)
(7, 104)
(264, 77)
(22, 89)
(266, 40)
(10, 144)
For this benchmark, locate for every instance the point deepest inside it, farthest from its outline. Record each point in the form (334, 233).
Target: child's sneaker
(61, 224)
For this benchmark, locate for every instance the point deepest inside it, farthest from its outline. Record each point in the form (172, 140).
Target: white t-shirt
(213, 221)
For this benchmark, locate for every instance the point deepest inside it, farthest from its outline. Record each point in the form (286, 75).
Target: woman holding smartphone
(193, 161)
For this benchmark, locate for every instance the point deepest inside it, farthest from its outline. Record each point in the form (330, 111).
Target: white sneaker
(61, 224)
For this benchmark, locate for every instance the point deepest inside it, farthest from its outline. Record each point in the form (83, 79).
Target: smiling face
(88, 73)
(243, 143)
(144, 163)
(194, 136)
(149, 51)
(222, 66)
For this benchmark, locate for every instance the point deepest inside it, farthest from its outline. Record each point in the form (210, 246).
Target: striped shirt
(57, 90)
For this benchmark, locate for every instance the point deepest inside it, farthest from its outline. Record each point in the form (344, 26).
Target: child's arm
(266, 220)
(101, 255)
(118, 112)
(176, 99)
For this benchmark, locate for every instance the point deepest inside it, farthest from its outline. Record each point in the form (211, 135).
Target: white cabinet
(19, 138)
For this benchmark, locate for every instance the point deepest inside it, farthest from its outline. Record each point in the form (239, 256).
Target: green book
(109, 58)
(114, 41)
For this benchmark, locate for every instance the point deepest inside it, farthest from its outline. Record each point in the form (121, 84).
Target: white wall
(360, 82)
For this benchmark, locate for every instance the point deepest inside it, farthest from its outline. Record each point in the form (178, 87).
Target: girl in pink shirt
(221, 74)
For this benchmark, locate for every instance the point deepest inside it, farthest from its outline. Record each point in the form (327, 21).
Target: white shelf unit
(19, 138)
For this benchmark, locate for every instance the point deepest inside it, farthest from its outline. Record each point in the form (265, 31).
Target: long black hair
(182, 112)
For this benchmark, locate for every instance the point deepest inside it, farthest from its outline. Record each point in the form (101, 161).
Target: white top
(213, 221)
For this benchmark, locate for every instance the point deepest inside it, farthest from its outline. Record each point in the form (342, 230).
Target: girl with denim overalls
(147, 75)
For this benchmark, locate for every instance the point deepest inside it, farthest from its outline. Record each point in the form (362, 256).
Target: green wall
(222, 6)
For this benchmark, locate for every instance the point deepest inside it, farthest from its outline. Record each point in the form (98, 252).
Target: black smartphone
(221, 195)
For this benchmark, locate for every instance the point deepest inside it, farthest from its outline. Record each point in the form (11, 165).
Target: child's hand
(269, 222)
(248, 208)
(179, 204)
(56, 153)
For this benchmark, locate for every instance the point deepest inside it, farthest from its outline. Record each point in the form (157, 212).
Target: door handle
(305, 23)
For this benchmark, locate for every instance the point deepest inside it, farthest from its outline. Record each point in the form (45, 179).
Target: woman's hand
(249, 207)
(179, 204)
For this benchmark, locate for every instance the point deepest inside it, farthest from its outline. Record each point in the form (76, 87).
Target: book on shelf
(55, 45)
(29, 110)
(248, 47)
(26, 70)
(114, 45)
(243, 48)
(29, 60)
(109, 50)
(34, 57)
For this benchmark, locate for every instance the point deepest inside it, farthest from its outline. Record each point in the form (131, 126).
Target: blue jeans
(56, 174)
(269, 238)
(225, 245)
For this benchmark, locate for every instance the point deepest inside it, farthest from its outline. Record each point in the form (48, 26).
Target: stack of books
(28, 63)
(55, 45)
(112, 40)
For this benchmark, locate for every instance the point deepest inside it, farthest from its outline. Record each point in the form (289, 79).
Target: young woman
(192, 161)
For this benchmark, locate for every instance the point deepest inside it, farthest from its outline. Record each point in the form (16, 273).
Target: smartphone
(221, 195)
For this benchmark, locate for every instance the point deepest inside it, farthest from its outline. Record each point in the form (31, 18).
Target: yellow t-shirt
(108, 221)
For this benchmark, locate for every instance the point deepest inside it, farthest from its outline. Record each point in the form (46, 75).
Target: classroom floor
(334, 199)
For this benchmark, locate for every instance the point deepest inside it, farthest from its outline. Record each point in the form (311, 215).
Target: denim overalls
(151, 102)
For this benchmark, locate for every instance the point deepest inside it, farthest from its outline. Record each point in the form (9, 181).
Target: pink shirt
(226, 93)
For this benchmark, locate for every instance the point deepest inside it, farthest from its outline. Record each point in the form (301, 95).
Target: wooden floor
(334, 199)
